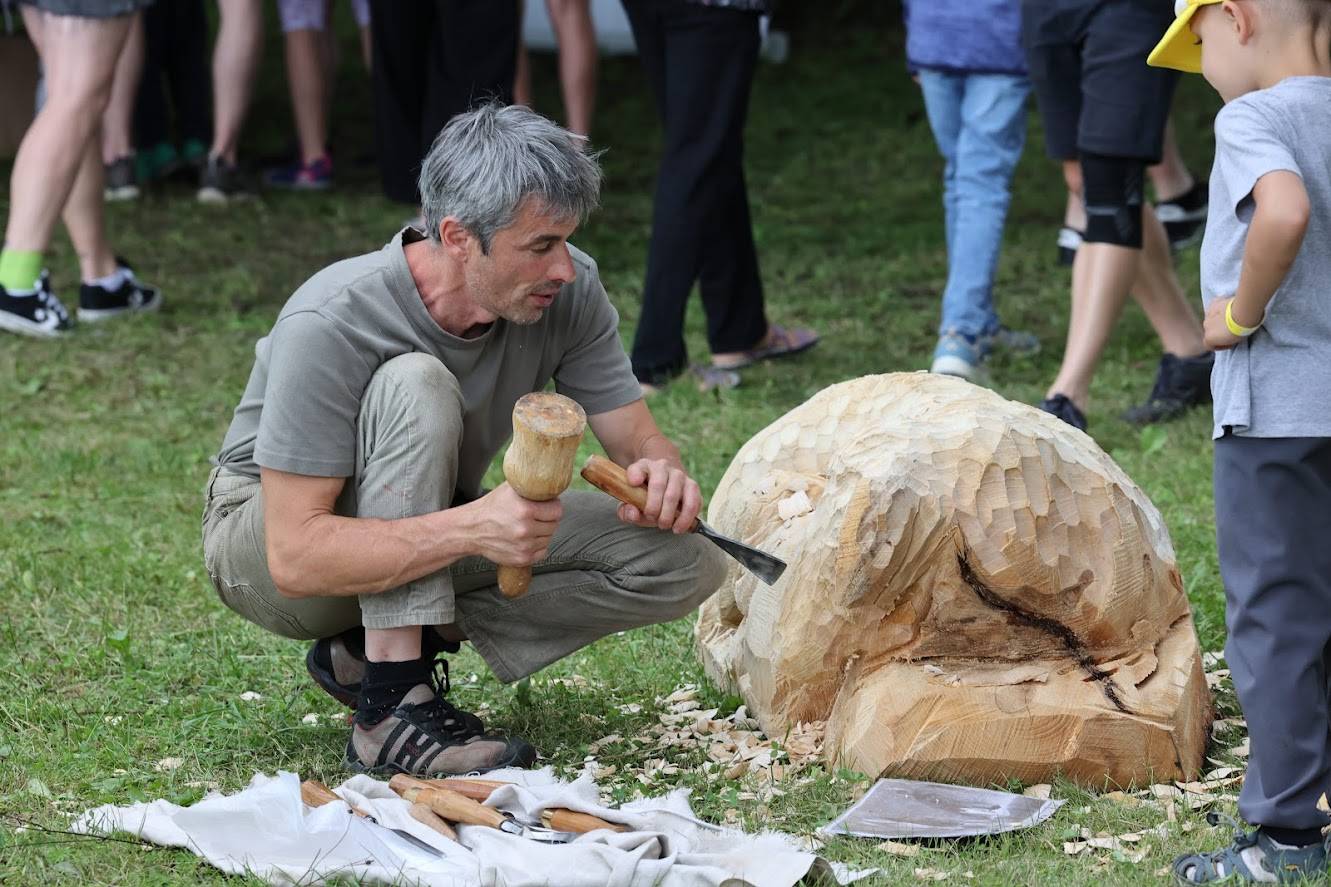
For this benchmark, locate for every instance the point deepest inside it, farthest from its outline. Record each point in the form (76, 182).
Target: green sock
(19, 269)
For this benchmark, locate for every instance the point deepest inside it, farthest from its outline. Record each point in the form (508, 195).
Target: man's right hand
(512, 531)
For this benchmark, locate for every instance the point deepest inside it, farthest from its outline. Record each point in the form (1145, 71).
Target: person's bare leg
(79, 57)
(309, 91)
(1170, 177)
(1074, 214)
(1101, 277)
(235, 63)
(393, 644)
(84, 217)
(118, 120)
(577, 60)
(1158, 291)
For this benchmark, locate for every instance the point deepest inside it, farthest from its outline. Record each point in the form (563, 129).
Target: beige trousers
(599, 576)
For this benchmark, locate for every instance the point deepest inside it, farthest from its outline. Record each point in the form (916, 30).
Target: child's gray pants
(1273, 528)
(599, 576)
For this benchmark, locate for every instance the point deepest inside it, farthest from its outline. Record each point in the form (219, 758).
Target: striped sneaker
(426, 735)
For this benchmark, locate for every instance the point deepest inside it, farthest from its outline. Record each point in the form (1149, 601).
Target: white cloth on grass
(265, 830)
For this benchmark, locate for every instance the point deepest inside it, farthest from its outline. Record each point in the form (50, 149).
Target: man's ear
(1241, 18)
(455, 238)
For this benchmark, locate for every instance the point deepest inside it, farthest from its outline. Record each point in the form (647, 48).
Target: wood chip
(1040, 791)
(166, 765)
(896, 848)
(930, 875)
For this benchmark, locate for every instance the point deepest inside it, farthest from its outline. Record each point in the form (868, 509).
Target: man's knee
(1113, 197)
(419, 387)
(699, 569)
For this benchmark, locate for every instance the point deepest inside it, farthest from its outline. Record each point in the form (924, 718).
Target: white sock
(112, 281)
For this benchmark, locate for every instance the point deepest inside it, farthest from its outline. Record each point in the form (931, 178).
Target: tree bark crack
(1066, 636)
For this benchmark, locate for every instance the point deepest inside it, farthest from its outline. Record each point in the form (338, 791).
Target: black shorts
(1088, 67)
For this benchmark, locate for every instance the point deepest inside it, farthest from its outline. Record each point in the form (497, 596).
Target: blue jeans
(979, 123)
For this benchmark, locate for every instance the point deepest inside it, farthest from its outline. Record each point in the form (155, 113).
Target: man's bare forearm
(342, 556)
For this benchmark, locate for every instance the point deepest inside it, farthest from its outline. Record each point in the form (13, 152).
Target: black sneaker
(122, 179)
(1184, 216)
(221, 182)
(1181, 383)
(337, 664)
(35, 312)
(1062, 407)
(425, 735)
(133, 296)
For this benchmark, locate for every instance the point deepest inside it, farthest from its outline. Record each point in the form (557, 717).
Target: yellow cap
(1179, 48)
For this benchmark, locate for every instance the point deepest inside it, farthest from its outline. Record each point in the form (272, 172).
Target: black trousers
(699, 62)
(175, 60)
(1273, 533)
(434, 59)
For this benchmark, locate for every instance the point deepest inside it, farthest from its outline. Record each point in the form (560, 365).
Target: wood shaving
(1040, 791)
(166, 765)
(250, 696)
(896, 848)
(930, 875)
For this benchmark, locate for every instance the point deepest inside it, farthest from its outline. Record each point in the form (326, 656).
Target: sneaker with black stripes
(426, 735)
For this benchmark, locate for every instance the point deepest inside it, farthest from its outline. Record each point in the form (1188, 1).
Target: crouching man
(346, 506)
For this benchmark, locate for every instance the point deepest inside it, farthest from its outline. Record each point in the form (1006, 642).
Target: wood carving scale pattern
(976, 592)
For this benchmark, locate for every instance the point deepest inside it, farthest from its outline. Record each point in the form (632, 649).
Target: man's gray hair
(486, 162)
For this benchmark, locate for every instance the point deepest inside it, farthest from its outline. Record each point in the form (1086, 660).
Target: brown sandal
(779, 342)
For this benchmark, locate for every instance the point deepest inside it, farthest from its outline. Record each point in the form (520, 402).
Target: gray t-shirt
(1277, 382)
(298, 413)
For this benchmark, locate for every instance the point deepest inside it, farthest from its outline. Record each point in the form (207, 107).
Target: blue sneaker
(958, 355)
(1014, 341)
(317, 175)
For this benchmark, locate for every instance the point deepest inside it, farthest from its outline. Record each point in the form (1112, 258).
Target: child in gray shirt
(1266, 282)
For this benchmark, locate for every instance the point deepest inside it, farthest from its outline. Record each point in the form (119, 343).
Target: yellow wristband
(1234, 326)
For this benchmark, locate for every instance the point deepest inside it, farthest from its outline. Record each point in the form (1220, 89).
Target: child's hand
(1215, 332)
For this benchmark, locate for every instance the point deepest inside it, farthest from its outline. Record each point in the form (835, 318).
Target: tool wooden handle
(612, 480)
(562, 820)
(427, 817)
(514, 581)
(449, 805)
(476, 789)
(315, 794)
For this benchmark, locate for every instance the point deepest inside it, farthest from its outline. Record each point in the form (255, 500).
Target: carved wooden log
(976, 592)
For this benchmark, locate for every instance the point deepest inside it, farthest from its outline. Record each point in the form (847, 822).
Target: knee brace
(1112, 190)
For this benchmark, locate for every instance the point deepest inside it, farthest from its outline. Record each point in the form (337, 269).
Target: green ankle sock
(19, 269)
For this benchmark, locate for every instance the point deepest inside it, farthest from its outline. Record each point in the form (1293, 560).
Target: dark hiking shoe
(122, 179)
(1181, 383)
(337, 664)
(426, 735)
(1184, 216)
(221, 182)
(1253, 858)
(1061, 406)
(34, 312)
(133, 296)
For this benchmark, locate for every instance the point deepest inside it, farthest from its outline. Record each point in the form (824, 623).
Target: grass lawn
(115, 654)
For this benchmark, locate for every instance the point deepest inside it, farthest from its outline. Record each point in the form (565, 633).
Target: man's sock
(112, 281)
(385, 684)
(1293, 837)
(19, 269)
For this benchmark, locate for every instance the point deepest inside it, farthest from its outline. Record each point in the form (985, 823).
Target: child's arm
(1275, 236)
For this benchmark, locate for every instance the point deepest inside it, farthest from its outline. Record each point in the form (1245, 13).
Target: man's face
(527, 266)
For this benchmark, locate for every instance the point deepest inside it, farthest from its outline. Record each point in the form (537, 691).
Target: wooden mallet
(539, 463)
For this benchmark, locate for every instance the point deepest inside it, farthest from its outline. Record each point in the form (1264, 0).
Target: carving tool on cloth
(454, 807)
(609, 478)
(558, 818)
(316, 794)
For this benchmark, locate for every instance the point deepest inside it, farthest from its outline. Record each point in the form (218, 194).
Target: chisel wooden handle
(428, 818)
(476, 789)
(563, 820)
(612, 480)
(449, 805)
(316, 794)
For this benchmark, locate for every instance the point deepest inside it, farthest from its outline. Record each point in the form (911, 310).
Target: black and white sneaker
(221, 182)
(35, 312)
(1181, 383)
(132, 296)
(1069, 241)
(122, 179)
(1184, 216)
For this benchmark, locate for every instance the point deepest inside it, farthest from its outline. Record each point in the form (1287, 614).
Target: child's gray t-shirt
(1277, 382)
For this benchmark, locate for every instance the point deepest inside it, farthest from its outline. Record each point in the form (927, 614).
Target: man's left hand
(1215, 332)
(673, 498)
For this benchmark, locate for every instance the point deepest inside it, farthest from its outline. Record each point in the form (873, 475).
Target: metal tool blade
(759, 563)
